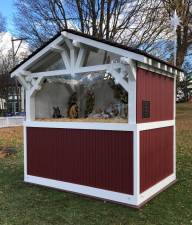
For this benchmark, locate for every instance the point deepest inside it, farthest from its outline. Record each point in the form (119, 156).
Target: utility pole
(175, 22)
(14, 53)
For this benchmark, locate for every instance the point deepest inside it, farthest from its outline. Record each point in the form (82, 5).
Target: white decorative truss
(74, 56)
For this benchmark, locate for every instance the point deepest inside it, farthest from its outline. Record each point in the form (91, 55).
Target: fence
(11, 121)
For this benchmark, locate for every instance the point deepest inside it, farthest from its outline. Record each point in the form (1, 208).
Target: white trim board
(136, 165)
(82, 189)
(37, 56)
(149, 193)
(101, 193)
(82, 125)
(106, 47)
(155, 125)
(101, 126)
(25, 149)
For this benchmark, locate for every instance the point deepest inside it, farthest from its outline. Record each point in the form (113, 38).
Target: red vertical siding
(156, 156)
(101, 159)
(157, 89)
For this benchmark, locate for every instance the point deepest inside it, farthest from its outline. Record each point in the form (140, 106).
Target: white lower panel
(101, 193)
(146, 195)
(85, 190)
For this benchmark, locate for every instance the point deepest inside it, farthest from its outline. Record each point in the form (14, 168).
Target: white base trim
(82, 189)
(101, 126)
(83, 125)
(101, 193)
(155, 125)
(146, 195)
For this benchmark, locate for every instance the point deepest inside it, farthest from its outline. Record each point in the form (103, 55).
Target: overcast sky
(7, 10)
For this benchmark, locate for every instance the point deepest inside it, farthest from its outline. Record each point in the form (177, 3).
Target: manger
(88, 97)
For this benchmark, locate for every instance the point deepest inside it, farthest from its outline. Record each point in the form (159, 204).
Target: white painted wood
(37, 56)
(160, 68)
(106, 47)
(25, 150)
(73, 58)
(76, 44)
(36, 86)
(150, 61)
(82, 125)
(154, 125)
(101, 126)
(30, 106)
(73, 55)
(156, 188)
(136, 165)
(25, 73)
(57, 49)
(87, 42)
(23, 82)
(85, 69)
(119, 79)
(132, 93)
(132, 69)
(82, 189)
(28, 78)
(51, 73)
(132, 101)
(81, 58)
(66, 59)
(174, 128)
(155, 70)
(68, 43)
(12, 121)
(95, 68)
(130, 66)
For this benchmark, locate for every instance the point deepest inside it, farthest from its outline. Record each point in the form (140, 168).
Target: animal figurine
(73, 111)
(56, 112)
(115, 111)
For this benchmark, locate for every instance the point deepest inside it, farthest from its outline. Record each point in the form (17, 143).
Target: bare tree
(184, 31)
(128, 21)
(9, 87)
(5, 65)
(140, 23)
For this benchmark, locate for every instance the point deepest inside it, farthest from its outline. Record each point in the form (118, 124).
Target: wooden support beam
(120, 80)
(130, 66)
(103, 46)
(23, 82)
(79, 70)
(66, 59)
(57, 48)
(81, 57)
(36, 86)
(37, 56)
(132, 69)
(76, 44)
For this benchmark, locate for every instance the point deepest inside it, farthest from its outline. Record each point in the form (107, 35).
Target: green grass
(24, 204)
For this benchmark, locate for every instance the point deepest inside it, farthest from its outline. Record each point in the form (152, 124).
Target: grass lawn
(24, 204)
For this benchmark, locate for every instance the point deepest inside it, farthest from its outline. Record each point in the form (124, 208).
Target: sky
(7, 10)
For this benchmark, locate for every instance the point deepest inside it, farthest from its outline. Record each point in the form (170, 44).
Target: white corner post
(30, 106)
(30, 97)
(174, 127)
(132, 92)
(132, 100)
